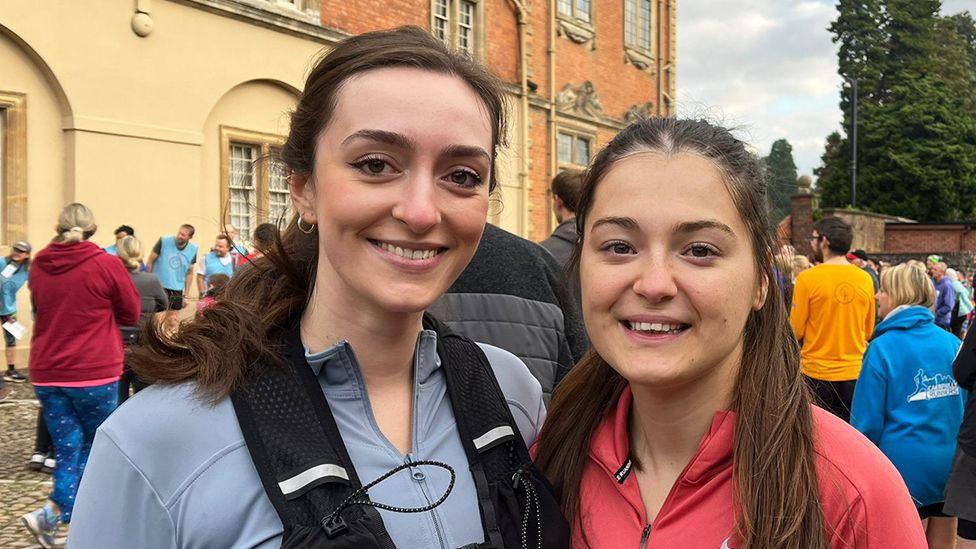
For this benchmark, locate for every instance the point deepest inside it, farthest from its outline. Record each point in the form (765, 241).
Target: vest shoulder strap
(490, 437)
(294, 441)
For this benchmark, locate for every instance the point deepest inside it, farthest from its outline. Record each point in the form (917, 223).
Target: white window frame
(576, 137)
(572, 9)
(264, 170)
(639, 26)
(449, 27)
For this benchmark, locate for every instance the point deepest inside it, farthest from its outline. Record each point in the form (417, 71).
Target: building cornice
(300, 24)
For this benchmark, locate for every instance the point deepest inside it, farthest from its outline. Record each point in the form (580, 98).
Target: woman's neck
(667, 424)
(384, 342)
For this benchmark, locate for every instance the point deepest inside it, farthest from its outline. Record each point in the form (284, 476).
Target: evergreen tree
(781, 177)
(859, 33)
(917, 128)
(830, 184)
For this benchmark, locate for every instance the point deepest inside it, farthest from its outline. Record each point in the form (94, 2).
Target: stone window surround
(642, 58)
(267, 144)
(13, 107)
(577, 132)
(577, 30)
(479, 26)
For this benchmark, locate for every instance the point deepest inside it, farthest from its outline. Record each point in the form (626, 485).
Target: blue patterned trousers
(72, 415)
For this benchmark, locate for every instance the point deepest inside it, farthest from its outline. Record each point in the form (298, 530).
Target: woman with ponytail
(81, 296)
(688, 423)
(314, 404)
(152, 299)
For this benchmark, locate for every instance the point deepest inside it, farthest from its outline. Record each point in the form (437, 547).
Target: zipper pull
(645, 536)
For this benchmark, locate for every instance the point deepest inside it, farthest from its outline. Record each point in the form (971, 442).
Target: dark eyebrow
(401, 141)
(465, 151)
(381, 136)
(694, 226)
(628, 223)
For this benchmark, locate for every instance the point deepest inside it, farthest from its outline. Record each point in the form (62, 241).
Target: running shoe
(36, 462)
(48, 466)
(14, 376)
(43, 524)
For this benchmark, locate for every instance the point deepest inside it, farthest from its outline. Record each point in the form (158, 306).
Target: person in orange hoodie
(689, 424)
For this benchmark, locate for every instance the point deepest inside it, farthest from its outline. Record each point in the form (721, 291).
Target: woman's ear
(302, 195)
(762, 292)
(762, 289)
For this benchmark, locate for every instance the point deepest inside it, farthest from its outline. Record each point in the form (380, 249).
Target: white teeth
(654, 327)
(406, 253)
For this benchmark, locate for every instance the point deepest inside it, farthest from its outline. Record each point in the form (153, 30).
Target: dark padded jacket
(964, 370)
(511, 296)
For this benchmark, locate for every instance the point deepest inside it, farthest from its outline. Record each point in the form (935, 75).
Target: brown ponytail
(218, 346)
(776, 492)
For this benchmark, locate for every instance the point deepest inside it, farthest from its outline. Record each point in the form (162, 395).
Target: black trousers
(129, 379)
(42, 438)
(833, 396)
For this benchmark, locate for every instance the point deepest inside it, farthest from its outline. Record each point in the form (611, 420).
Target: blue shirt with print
(9, 286)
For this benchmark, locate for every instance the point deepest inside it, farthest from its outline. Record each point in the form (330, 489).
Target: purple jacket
(945, 300)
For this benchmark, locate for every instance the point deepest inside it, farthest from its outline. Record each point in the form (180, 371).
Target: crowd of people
(389, 371)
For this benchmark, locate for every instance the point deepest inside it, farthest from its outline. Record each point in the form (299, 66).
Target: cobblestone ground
(21, 491)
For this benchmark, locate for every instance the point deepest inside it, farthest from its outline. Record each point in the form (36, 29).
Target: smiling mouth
(655, 328)
(407, 253)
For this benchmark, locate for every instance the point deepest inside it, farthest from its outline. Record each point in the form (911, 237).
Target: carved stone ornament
(578, 32)
(640, 112)
(581, 100)
(639, 59)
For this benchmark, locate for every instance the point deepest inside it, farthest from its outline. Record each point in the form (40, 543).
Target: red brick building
(577, 71)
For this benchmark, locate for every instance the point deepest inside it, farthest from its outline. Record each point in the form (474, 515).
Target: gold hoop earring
(311, 226)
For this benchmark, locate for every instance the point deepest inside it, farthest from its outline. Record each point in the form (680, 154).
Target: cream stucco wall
(130, 125)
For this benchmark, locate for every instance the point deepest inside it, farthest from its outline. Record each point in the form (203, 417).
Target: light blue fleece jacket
(907, 402)
(168, 471)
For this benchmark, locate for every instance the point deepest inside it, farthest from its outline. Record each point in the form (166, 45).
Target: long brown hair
(218, 347)
(776, 491)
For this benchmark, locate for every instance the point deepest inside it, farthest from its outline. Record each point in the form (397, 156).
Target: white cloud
(766, 65)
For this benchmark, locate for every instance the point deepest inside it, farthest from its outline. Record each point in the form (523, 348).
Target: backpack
(309, 478)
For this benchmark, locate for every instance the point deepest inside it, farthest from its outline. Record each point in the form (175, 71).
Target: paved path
(21, 491)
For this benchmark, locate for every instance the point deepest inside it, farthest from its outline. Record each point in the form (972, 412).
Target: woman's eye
(702, 251)
(373, 166)
(464, 178)
(618, 248)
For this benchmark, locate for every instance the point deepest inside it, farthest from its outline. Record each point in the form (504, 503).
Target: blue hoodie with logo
(908, 403)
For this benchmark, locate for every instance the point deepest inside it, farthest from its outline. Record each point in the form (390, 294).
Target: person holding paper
(13, 275)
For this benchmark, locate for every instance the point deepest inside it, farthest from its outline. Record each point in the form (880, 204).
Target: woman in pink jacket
(688, 424)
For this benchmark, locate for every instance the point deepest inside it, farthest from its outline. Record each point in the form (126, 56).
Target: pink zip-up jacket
(865, 501)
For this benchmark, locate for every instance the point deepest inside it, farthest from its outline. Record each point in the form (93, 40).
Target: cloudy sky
(766, 66)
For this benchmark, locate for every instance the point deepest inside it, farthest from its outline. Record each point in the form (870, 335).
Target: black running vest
(307, 475)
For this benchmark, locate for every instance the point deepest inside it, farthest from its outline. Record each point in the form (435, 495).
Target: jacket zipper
(645, 536)
(433, 512)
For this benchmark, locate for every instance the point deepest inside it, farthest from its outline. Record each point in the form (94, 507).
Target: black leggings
(129, 378)
(42, 438)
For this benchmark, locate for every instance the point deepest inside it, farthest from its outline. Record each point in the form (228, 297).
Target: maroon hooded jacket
(81, 295)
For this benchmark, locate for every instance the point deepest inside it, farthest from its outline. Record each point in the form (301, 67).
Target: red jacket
(81, 295)
(865, 501)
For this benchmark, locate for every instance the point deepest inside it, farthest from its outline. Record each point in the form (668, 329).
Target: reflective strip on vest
(494, 437)
(303, 479)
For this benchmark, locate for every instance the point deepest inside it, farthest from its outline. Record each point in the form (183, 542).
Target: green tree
(859, 33)
(781, 177)
(917, 127)
(833, 175)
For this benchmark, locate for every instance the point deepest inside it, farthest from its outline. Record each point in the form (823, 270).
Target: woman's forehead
(658, 189)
